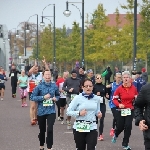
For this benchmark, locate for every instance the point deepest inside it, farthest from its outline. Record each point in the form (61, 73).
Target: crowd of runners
(82, 95)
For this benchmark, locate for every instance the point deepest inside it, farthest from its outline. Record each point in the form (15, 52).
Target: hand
(83, 112)
(44, 61)
(71, 90)
(99, 115)
(108, 86)
(142, 125)
(107, 96)
(98, 93)
(121, 106)
(47, 96)
(54, 99)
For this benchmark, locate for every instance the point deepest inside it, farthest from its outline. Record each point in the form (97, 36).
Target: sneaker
(114, 139)
(126, 147)
(59, 119)
(2, 99)
(100, 138)
(22, 105)
(112, 131)
(25, 104)
(62, 122)
(68, 125)
(33, 122)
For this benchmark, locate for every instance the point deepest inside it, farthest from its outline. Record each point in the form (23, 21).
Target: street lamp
(67, 13)
(54, 32)
(27, 29)
(135, 35)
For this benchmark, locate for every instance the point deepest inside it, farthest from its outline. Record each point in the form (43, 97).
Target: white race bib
(82, 127)
(48, 102)
(12, 74)
(125, 112)
(72, 96)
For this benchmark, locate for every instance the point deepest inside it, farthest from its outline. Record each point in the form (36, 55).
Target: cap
(143, 70)
(90, 70)
(138, 72)
(73, 71)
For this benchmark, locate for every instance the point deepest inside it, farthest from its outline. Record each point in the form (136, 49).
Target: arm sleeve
(116, 97)
(71, 110)
(139, 105)
(35, 95)
(98, 107)
(65, 86)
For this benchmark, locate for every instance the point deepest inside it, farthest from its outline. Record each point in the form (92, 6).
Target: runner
(72, 86)
(14, 79)
(2, 84)
(62, 99)
(85, 107)
(123, 98)
(100, 90)
(113, 87)
(45, 94)
(22, 82)
(34, 78)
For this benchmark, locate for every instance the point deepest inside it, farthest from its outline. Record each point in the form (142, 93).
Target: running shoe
(112, 131)
(68, 125)
(126, 147)
(33, 122)
(100, 138)
(25, 104)
(2, 99)
(22, 105)
(114, 139)
(59, 119)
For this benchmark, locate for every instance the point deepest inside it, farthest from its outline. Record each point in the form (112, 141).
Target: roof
(122, 17)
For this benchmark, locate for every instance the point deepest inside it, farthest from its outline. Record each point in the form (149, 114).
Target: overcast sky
(12, 12)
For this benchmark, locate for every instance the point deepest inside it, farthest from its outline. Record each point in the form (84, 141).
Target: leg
(91, 140)
(80, 141)
(146, 135)
(42, 127)
(114, 117)
(21, 94)
(50, 123)
(62, 108)
(120, 123)
(58, 107)
(2, 93)
(103, 111)
(68, 100)
(127, 129)
(32, 112)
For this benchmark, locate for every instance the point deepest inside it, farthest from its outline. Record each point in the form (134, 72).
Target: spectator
(144, 75)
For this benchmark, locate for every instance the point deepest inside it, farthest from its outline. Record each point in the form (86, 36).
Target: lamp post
(17, 35)
(67, 13)
(135, 35)
(54, 32)
(37, 39)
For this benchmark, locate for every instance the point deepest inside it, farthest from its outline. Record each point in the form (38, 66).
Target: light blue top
(92, 106)
(23, 80)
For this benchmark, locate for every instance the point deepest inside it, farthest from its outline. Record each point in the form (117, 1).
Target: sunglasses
(98, 78)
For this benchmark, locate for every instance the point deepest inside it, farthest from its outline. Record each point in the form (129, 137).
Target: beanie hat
(73, 71)
(143, 70)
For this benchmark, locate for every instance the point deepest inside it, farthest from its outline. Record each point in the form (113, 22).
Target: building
(4, 47)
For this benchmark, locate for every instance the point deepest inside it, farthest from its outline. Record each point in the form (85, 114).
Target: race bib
(48, 102)
(82, 127)
(12, 74)
(125, 112)
(72, 96)
(101, 99)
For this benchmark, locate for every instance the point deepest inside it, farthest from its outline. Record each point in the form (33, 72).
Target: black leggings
(42, 126)
(124, 123)
(113, 110)
(14, 88)
(85, 138)
(147, 139)
(58, 107)
(103, 111)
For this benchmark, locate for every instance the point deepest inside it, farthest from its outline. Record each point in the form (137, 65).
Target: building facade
(4, 47)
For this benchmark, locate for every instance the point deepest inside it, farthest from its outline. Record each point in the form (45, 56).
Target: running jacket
(92, 107)
(142, 106)
(38, 94)
(113, 89)
(125, 96)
